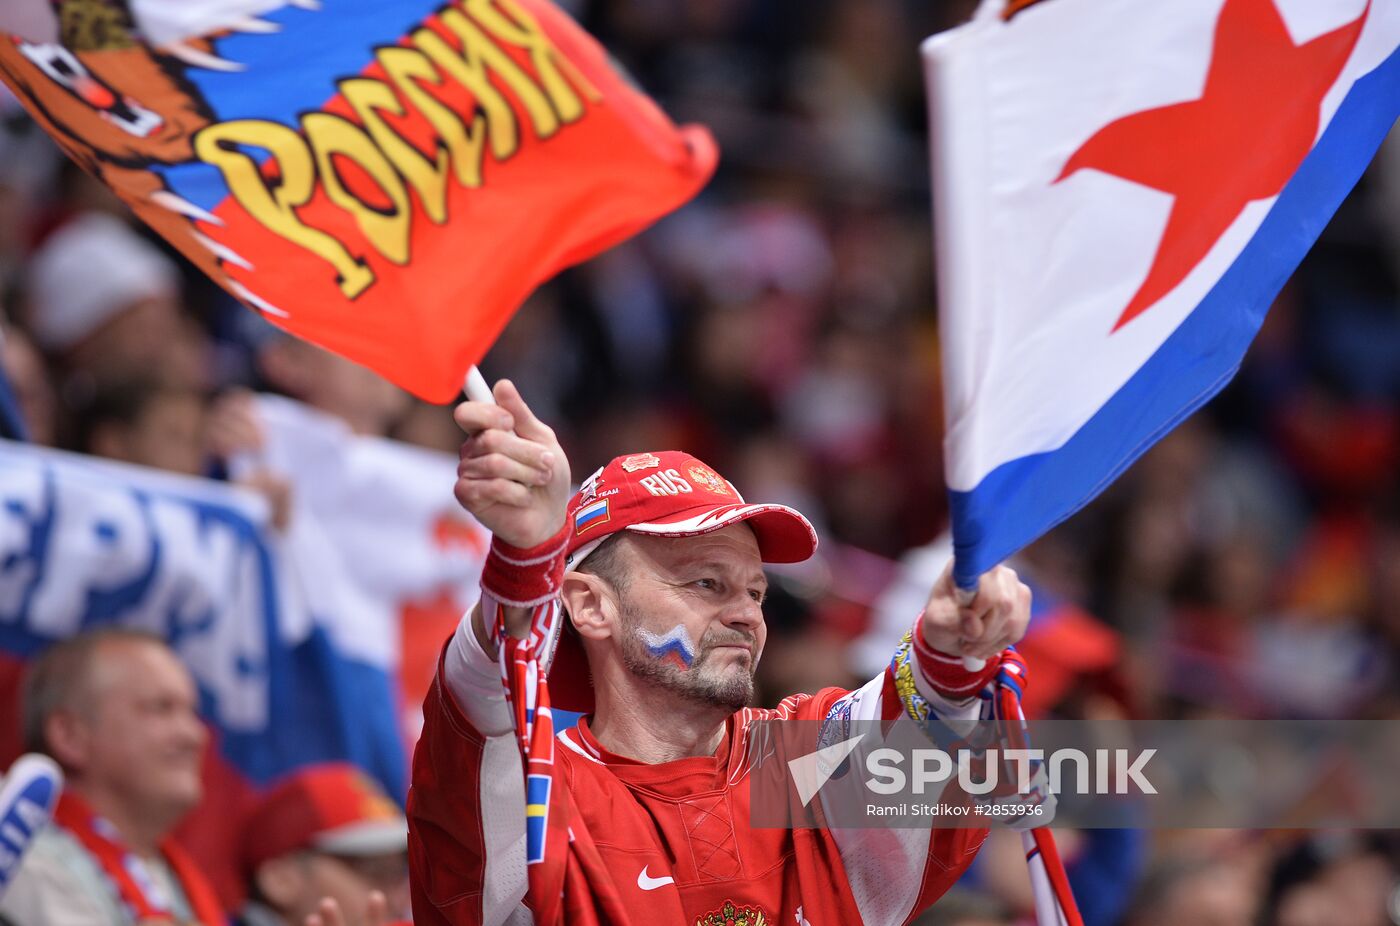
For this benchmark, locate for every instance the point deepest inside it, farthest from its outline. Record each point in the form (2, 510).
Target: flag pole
(1054, 900)
(474, 385)
(965, 597)
(1050, 890)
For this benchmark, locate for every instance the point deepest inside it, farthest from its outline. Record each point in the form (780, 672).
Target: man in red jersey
(657, 562)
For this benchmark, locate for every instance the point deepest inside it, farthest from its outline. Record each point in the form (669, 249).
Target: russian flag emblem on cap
(590, 516)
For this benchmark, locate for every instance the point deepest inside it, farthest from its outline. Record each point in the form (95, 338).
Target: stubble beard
(703, 682)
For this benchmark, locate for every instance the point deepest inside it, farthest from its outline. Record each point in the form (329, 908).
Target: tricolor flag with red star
(1121, 189)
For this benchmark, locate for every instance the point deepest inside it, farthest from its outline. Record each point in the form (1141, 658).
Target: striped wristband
(524, 578)
(947, 674)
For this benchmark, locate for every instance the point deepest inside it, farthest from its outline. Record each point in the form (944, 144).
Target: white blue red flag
(308, 644)
(1121, 189)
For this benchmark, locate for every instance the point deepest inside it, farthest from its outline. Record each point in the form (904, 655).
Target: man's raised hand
(512, 475)
(996, 618)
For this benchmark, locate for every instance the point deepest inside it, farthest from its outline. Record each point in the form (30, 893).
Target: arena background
(783, 328)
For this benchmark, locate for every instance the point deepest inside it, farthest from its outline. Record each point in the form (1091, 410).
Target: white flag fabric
(380, 516)
(389, 505)
(1120, 191)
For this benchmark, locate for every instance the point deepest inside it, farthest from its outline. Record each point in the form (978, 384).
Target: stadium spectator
(151, 422)
(29, 383)
(145, 421)
(325, 831)
(1324, 873)
(665, 629)
(1203, 885)
(363, 401)
(116, 709)
(105, 303)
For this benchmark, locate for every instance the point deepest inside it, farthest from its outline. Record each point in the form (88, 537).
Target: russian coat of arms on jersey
(732, 915)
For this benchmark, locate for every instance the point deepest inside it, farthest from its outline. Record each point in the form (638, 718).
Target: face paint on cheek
(673, 646)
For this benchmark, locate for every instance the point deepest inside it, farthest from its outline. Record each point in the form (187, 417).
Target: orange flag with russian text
(388, 180)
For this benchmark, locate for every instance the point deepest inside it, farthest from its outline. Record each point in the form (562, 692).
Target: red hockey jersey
(668, 843)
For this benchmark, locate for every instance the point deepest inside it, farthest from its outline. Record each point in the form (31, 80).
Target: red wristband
(524, 578)
(947, 674)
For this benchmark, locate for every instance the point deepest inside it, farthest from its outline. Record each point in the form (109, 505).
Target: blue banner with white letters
(289, 671)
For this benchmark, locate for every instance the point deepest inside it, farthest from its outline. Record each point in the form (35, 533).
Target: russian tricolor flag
(591, 515)
(1121, 189)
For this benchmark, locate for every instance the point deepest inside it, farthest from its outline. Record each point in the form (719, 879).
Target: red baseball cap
(333, 808)
(662, 494)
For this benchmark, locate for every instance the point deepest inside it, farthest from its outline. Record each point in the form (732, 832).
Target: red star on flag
(1239, 142)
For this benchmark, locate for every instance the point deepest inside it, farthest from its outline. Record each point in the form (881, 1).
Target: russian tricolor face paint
(674, 646)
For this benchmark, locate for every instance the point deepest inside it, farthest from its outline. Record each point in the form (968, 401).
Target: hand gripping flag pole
(522, 677)
(1054, 901)
(548, 811)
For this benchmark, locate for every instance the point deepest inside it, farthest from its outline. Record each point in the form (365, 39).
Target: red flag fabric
(390, 181)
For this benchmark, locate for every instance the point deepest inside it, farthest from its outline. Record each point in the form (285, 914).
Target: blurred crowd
(783, 328)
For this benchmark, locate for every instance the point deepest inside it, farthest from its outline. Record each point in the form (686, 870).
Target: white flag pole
(965, 597)
(476, 388)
